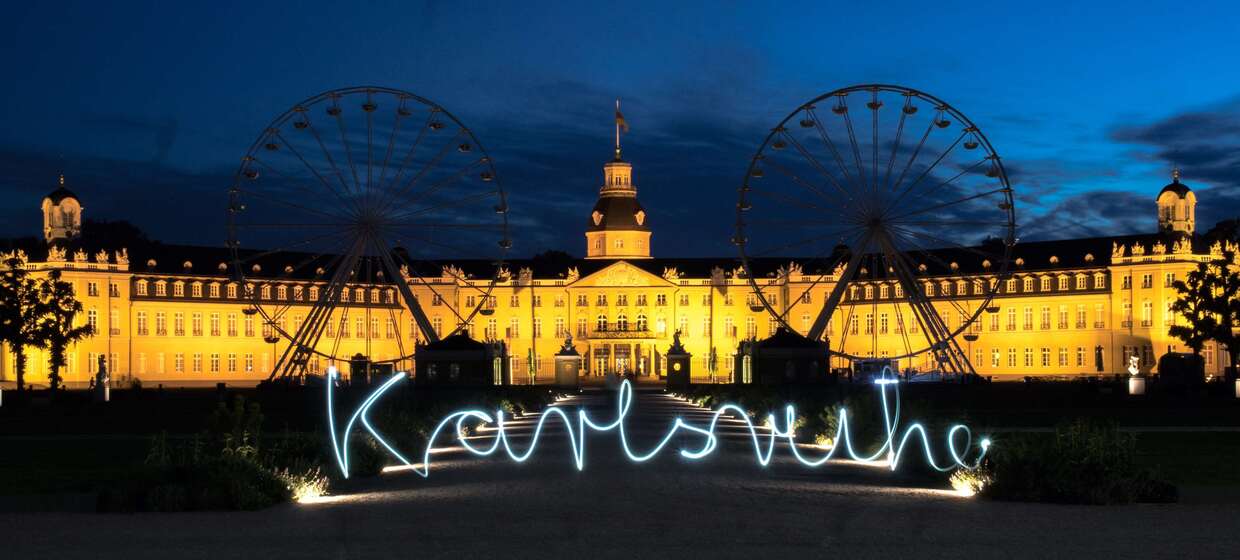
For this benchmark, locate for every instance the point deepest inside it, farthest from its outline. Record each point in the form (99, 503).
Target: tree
(1208, 303)
(1196, 305)
(20, 310)
(55, 327)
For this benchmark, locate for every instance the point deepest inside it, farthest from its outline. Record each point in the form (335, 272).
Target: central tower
(617, 228)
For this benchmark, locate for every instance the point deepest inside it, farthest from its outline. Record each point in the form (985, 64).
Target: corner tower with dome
(617, 228)
(1177, 207)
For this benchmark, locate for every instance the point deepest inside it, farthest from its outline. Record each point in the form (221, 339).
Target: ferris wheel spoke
(908, 165)
(323, 180)
(397, 192)
(822, 276)
(928, 169)
(826, 138)
(413, 147)
(329, 215)
(804, 183)
(331, 161)
(901, 217)
(460, 174)
(411, 301)
(391, 145)
(850, 272)
(451, 225)
(296, 182)
(952, 180)
(906, 232)
(895, 146)
(805, 241)
(455, 203)
(852, 141)
(348, 152)
(813, 161)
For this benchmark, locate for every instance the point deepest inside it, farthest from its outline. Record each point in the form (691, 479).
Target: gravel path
(723, 506)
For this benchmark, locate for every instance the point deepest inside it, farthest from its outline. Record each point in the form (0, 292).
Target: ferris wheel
(352, 209)
(897, 210)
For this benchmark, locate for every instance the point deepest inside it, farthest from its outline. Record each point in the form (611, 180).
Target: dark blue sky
(147, 107)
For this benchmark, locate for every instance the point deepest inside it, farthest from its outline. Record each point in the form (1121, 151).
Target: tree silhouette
(55, 327)
(20, 310)
(1210, 303)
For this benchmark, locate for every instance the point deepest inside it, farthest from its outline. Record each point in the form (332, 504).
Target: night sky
(148, 107)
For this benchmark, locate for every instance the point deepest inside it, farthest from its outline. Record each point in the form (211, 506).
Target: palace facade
(172, 315)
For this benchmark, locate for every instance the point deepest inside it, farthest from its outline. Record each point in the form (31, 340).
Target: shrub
(1084, 462)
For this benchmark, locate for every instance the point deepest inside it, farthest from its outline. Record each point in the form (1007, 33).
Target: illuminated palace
(172, 315)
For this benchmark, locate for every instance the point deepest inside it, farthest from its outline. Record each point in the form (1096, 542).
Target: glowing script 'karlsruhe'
(891, 451)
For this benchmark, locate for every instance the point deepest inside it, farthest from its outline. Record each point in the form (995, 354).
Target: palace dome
(1180, 189)
(618, 213)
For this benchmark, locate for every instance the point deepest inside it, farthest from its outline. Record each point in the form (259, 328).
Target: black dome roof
(1180, 189)
(60, 194)
(619, 213)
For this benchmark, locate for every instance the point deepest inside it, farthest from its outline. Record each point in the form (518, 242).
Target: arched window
(622, 322)
(602, 323)
(641, 322)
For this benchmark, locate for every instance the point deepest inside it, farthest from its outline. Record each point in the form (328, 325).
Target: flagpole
(617, 130)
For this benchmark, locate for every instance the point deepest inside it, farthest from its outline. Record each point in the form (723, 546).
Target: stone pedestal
(1136, 385)
(678, 365)
(568, 366)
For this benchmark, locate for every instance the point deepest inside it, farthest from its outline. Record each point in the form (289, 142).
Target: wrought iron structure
(880, 191)
(357, 196)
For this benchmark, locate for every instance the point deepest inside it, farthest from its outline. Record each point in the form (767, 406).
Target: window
(178, 323)
(869, 323)
(249, 326)
(1080, 316)
(514, 328)
(1044, 284)
(1011, 323)
(114, 290)
(197, 363)
(882, 323)
(1046, 357)
(852, 324)
(232, 324)
(389, 329)
(436, 325)
(1063, 317)
(560, 330)
(215, 363)
(1028, 357)
(805, 297)
(1147, 280)
(178, 289)
(514, 301)
(1080, 282)
(1099, 316)
(196, 324)
(1011, 357)
(728, 328)
(642, 324)
(619, 244)
(1028, 318)
(215, 324)
(161, 289)
(601, 300)
(537, 327)
(869, 292)
(178, 363)
(1063, 356)
(141, 323)
(660, 300)
(1063, 283)
(622, 322)
(684, 299)
(1028, 284)
(161, 324)
(1010, 288)
(622, 300)
(249, 362)
(214, 290)
(92, 288)
(196, 290)
(751, 328)
(581, 327)
(1169, 279)
(1046, 318)
(232, 291)
(682, 327)
(492, 330)
(660, 326)
(641, 300)
(994, 357)
(1127, 282)
(142, 287)
(1080, 356)
(1147, 313)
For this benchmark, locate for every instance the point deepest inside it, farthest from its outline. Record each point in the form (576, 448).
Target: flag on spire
(620, 122)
